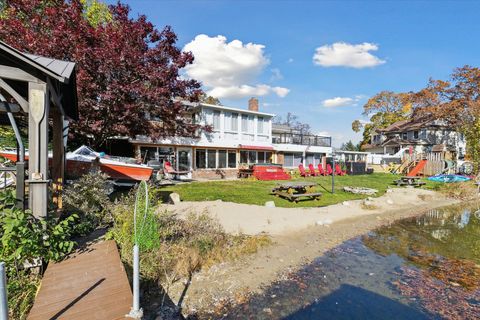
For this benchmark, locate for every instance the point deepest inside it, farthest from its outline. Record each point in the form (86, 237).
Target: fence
(436, 162)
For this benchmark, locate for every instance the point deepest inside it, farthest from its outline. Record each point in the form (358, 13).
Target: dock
(89, 284)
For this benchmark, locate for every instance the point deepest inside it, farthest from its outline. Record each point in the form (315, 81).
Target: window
(232, 159)
(200, 156)
(211, 159)
(260, 125)
(404, 135)
(288, 160)
(415, 135)
(216, 120)
(261, 157)
(252, 157)
(309, 159)
(244, 123)
(292, 159)
(269, 157)
(227, 121)
(243, 156)
(222, 158)
(234, 126)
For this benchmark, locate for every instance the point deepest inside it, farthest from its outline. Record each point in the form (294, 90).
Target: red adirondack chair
(321, 172)
(303, 173)
(339, 171)
(329, 170)
(311, 169)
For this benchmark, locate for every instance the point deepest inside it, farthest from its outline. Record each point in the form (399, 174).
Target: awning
(245, 147)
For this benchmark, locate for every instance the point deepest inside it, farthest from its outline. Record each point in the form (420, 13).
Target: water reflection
(419, 268)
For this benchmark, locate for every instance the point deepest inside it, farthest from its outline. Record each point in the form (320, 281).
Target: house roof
(410, 125)
(213, 106)
(62, 74)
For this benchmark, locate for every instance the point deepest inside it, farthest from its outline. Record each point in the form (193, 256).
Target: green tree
(96, 12)
(209, 99)
(350, 146)
(383, 109)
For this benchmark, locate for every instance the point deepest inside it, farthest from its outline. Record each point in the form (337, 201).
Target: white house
(419, 135)
(239, 136)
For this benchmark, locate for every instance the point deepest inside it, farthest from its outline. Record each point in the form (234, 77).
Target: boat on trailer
(84, 159)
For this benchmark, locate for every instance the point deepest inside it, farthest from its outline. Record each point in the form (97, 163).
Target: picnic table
(293, 191)
(409, 181)
(245, 172)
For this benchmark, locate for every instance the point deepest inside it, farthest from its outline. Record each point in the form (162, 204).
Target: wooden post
(39, 103)
(58, 161)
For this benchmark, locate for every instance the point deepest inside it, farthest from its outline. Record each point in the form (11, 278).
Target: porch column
(58, 161)
(39, 102)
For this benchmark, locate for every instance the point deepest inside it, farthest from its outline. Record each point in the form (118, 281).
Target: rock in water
(174, 198)
(270, 204)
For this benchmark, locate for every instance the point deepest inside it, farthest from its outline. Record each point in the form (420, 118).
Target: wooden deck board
(91, 284)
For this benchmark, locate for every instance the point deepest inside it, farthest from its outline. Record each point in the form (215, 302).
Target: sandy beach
(299, 236)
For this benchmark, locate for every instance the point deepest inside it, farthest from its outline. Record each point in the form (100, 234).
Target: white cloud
(290, 60)
(338, 102)
(341, 54)
(342, 101)
(238, 92)
(229, 69)
(281, 91)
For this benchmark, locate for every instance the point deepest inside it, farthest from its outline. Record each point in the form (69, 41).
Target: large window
(222, 158)
(227, 121)
(230, 121)
(292, 159)
(260, 125)
(243, 156)
(232, 159)
(211, 159)
(234, 126)
(261, 157)
(252, 157)
(244, 123)
(216, 120)
(200, 159)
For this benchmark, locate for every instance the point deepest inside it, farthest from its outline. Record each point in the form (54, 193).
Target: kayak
(448, 178)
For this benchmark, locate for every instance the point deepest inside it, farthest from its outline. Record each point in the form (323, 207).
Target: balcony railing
(303, 139)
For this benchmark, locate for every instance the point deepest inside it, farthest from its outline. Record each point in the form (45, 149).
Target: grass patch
(258, 192)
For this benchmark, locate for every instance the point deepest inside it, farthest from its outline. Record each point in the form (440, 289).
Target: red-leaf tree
(456, 102)
(126, 69)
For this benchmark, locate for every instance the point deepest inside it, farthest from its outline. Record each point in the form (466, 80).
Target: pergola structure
(45, 90)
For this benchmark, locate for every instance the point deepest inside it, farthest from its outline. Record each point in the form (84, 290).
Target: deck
(91, 284)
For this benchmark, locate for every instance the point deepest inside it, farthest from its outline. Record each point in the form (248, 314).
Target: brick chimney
(253, 104)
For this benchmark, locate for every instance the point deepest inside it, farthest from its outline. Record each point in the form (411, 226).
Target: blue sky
(411, 41)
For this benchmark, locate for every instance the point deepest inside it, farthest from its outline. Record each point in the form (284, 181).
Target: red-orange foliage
(126, 68)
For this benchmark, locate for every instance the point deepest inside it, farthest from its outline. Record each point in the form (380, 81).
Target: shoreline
(292, 247)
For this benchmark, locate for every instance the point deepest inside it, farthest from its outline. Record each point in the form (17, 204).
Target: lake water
(418, 268)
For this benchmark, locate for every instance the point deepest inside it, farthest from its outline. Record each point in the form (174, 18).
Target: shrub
(28, 241)
(178, 247)
(87, 197)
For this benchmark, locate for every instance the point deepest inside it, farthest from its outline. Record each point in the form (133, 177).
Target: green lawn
(258, 192)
